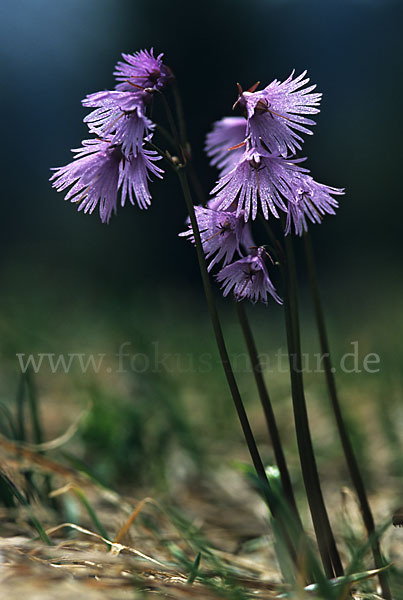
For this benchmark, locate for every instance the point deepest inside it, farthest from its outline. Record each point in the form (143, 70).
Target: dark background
(54, 53)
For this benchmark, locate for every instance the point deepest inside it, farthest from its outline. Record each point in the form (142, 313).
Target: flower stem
(180, 114)
(218, 331)
(349, 454)
(324, 535)
(326, 543)
(243, 418)
(166, 135)
(269, 496)
(267, 409)
(171, 121)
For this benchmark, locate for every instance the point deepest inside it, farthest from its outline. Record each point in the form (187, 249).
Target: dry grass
(148, 549)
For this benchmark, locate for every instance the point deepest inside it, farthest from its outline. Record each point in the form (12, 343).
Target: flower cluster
(223, 234)
(255, 154)
(117, 158)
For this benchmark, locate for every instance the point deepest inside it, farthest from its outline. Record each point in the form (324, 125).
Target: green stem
(37, 430)
(323, 531)
(349, 454)
(20, 404)
(15, 491)
(33, 404)
(268, 410)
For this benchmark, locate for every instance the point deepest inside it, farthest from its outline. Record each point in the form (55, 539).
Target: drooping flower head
(121, 114)
(224, 144)
(142, 70)
(98, 170)
(248, 278)
(135, 174)
(273, 184)
(311, 200)
(274, 114)
(93, 175)
(118, 158)
(222, 234)
(257, 180)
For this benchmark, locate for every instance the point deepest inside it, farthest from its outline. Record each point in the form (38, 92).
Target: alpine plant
(255, 153)
(260, 174)
(118, 157)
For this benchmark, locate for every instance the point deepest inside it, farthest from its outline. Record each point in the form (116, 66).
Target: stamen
(223, 227)
(314, 209)
(140, 87)
(253, 87)
(116, 120)
(240, 92)
(267, 254)
(237, 146)
(249, 278)
(75, 200)
(244, 287)
(257, 182)
(212, 237)
(278, 115)
(261, 106)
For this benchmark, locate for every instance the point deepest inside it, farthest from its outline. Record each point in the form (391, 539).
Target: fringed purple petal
(222, 234)
(248, 278)
(135, 173)
(142, 69)
(93, 175)
(227, 133)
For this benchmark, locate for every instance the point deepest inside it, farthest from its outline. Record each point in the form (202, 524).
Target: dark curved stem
(268, 494)
(349, 454)
(219, 334)
(181, 115)
(323, 532)
(166, 135)
(264, 485)
(171, 121)
(268, 410)
(326, 542)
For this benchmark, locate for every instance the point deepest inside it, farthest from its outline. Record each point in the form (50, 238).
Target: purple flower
(312, 200)
(248, 278)
(121, 114)
(93, 175)
(222, 233)
(275, 183)
(99, 169)
(142, 70)
(226, 134)
(135, 175)
(257, 179)
(275, 112)
(113, 99)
